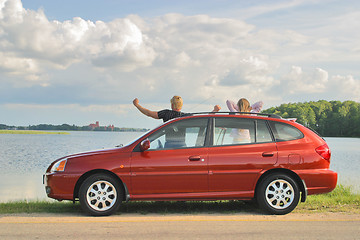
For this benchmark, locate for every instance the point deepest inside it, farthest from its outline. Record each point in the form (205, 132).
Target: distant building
(94, 125)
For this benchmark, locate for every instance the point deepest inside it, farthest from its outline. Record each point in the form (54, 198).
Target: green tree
(334, 118)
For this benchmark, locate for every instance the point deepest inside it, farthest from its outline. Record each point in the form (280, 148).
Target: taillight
(324, 151)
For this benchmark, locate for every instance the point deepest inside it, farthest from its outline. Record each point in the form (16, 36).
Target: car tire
(278, 194)
(100, 195)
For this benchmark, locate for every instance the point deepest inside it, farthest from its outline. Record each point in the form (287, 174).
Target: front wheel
(100, 195)
(278, 194)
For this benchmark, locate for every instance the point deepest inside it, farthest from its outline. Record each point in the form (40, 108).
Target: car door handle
(267, 154)
(195, 158)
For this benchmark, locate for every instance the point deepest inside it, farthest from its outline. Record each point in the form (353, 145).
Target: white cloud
(345, 87)
(303, 82)
(28, 34)
(252, 71)
(24, 67)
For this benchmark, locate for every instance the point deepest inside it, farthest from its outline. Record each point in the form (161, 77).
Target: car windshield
(142, 135)
(134, 140)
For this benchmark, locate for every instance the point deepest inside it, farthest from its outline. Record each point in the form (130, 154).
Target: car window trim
(255, 130)
(209, 135)
(267, 123)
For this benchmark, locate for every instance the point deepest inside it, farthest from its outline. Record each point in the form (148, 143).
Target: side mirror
(145, 145)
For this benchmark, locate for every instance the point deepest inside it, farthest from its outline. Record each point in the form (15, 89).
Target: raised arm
(145, 111)
(216, 108)
(256, 107)
(232, 106)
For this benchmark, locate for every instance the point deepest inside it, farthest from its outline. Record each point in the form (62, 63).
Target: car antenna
(192, 108)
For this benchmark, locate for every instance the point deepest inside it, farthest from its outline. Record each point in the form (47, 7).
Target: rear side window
(237, 131)
(285, 132)
(234, 131)
(229, 131)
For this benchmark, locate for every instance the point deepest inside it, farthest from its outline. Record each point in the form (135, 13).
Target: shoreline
(31, 132)
(54, 132)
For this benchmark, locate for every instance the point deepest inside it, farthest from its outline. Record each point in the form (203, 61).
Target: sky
(78, 62)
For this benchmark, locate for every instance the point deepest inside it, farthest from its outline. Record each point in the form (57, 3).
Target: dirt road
(203, 226)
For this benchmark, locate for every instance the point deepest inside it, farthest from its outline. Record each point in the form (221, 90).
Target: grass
(38, 207)
(340, 200)
(29, 132)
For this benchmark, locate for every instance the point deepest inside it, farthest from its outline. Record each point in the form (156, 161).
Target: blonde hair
(176, 103)
(244, 105)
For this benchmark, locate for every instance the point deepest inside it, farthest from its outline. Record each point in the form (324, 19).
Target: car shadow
(164, 207)
(189, 207)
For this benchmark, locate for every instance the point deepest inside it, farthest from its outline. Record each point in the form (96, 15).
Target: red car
(201, 157)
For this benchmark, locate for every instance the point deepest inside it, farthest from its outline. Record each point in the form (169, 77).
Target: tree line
(328, 118)
(68, 127)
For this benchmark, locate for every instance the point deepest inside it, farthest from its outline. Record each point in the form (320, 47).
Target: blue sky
(107, 10)
(81, 61)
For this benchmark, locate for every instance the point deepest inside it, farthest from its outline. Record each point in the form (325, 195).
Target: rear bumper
(318, 180)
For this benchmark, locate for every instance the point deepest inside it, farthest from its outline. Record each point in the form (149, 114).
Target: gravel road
(203, 226)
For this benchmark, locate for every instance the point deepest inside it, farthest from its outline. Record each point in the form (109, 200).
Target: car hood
(95, 152)
(100, 151)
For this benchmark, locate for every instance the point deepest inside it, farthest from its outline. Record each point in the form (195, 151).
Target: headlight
(59, 166)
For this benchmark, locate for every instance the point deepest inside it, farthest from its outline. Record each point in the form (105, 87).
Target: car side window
(230, 131)
(180, 134)
(285, 132)
(262, 132)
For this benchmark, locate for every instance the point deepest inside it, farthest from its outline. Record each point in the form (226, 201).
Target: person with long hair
(243, 105)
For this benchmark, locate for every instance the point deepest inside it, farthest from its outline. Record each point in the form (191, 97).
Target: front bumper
(60, 186)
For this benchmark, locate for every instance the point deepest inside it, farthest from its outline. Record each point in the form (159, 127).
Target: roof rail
(233, 113)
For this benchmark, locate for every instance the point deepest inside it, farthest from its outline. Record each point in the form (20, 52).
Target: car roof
(226, 114)
(235, 113)
(249, 115)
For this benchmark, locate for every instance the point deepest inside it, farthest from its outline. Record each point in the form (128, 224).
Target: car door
(176, 161)
(242, 148)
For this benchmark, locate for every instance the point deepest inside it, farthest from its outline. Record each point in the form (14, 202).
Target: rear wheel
(278, 194)
(100, 195)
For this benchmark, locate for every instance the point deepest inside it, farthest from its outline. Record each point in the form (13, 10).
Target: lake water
(24, 158)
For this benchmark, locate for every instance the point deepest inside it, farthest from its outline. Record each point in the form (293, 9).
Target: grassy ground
(340, 200)
(29, 132)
